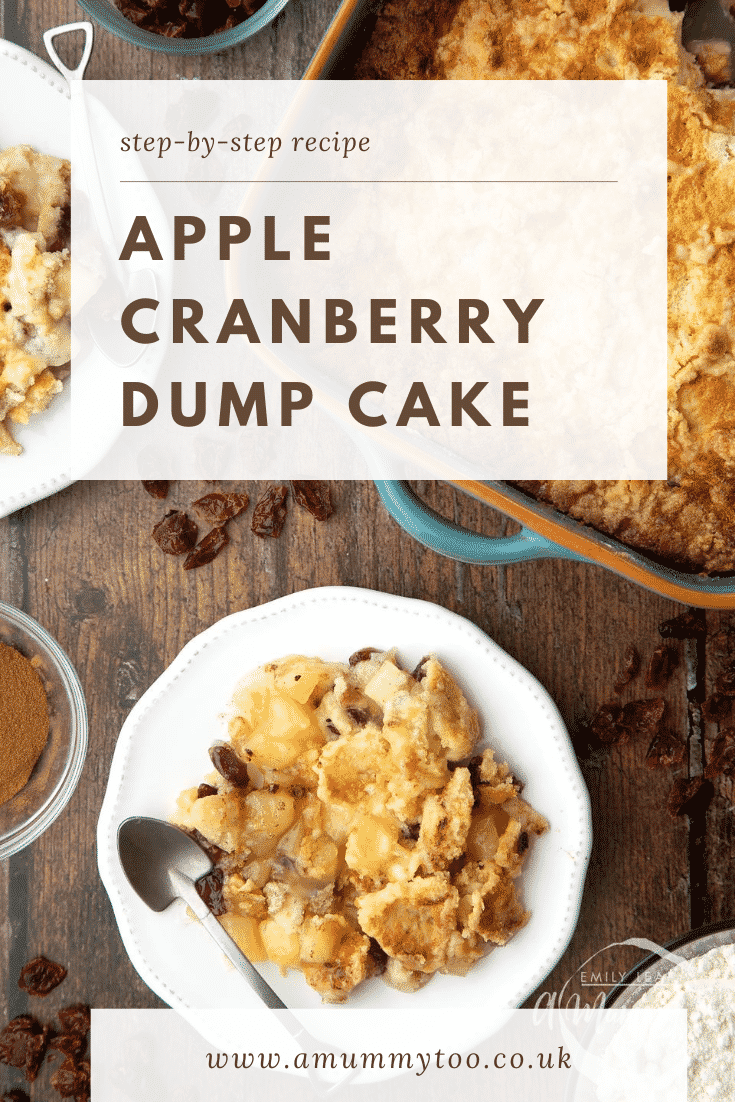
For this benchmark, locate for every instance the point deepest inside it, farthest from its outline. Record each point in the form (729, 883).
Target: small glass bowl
(105, 12)
(696, 943)
(27, 814)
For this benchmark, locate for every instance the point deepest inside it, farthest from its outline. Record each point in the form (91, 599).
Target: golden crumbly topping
(35, 285)
(351, 839)
(690, 519)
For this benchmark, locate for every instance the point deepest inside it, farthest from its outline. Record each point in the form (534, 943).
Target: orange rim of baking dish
(700, 590)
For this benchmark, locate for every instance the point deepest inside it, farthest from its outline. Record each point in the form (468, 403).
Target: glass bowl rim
(57, 799)
(689, 938)
(115, 22)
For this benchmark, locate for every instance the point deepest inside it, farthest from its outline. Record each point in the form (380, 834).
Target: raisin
(207, 549)
(71, 1079)
(665, 749)
(176, 533)
(273, 788)
(420, 672)
(722, 758)
(631, 666)
(315, 497)
(217, 508)
(331, 728)
(229, 766)
(156, 489)
(522, 842)
(15, 1096)
(297, 791)
(717, 708)
(641, 718)
(689, 796)
(725, 681)
(270, 512)
(359, 715)
(378, 956)
(213, 852)
(411, 831)
(662, 664)
(40, 976)
(689, 625)
(75, 1019)
(363, 655)
(206, 790)
(70, 1044)
(23, 1044)
(605, 723)
(209, 888)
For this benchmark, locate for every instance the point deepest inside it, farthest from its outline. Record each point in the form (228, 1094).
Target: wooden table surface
(84, 565)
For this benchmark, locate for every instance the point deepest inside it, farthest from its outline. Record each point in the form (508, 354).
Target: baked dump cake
(35, 285)
(352, 829)
(690, 519)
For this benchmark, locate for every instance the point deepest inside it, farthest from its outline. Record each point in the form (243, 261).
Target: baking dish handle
(455, 542)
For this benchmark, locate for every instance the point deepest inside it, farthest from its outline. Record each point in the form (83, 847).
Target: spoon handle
(185, 888)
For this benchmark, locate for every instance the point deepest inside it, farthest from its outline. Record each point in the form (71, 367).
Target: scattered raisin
(273, 788)
(297, 791)
(631, 667)
(522, 842)
(641, 718)
(207, 549)
(209, 888)
(217, 508)
(40, 976)
(70, 1044)
(359, 715)
(605, 723)
(363, 655)
(331, 728)
(229, 766)
(411, 831)
(270, 512)
(75, 1019)
(315, 497)
(689, 796)
(71, 1079)
(717, 708)
(722, 758)
(665, 749)
(23, 1044)
(689, 625)
(176, 533)
(15, 1096)
(725, 681)
(156, 489)
(662, 664)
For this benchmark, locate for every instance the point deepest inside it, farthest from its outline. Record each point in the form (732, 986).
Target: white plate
(163, 748)
(39, 115)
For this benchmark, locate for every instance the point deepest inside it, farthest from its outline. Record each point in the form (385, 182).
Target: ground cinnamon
(24, 720)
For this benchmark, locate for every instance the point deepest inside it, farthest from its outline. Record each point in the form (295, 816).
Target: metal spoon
(162, 864)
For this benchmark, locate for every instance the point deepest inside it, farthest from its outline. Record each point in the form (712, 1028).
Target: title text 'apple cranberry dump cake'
(690, 519)
(35, 285)
(348, 839)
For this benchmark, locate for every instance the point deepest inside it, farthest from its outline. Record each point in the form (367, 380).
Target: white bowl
(41, 117)
(163, 748)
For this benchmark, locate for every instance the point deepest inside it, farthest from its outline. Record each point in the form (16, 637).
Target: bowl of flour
(695, 973)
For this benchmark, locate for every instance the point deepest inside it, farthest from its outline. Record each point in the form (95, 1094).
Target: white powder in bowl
(705, 988)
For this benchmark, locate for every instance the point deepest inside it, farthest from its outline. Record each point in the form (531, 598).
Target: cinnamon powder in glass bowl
(28, 807)
(24, 720)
